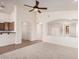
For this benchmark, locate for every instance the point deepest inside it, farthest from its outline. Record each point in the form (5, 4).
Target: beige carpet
(42, 51)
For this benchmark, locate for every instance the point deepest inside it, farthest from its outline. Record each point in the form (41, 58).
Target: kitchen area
(7, 33)
(7, 27)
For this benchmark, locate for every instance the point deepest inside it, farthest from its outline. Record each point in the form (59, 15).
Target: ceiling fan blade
(37, 3)
(31, 10)
(42, 8)
(28, 6)
(39, 11)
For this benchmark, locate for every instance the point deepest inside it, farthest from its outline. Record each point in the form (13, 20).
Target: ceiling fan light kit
(36, 7)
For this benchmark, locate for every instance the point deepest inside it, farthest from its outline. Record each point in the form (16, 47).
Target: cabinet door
(1, 26)
(11, 26)
(6, 26)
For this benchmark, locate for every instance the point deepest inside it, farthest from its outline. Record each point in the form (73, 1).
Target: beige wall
(25, 24)
(4, 17)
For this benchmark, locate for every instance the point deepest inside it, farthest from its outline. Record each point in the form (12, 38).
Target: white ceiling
(53, 5)
(8, 6)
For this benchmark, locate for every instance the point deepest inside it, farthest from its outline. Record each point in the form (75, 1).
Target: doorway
(25, 31)
(39, 31)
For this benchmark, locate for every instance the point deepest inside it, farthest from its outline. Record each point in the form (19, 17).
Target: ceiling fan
(36, 7)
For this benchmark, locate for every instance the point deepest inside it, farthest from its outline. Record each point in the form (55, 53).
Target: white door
(39, 31)
(25, 31)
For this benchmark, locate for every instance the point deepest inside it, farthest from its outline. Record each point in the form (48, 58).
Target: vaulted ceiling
(53, 5)
(8, 6)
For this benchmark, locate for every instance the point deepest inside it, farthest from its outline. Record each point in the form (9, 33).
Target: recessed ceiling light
(24, 23)
(2, 5)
